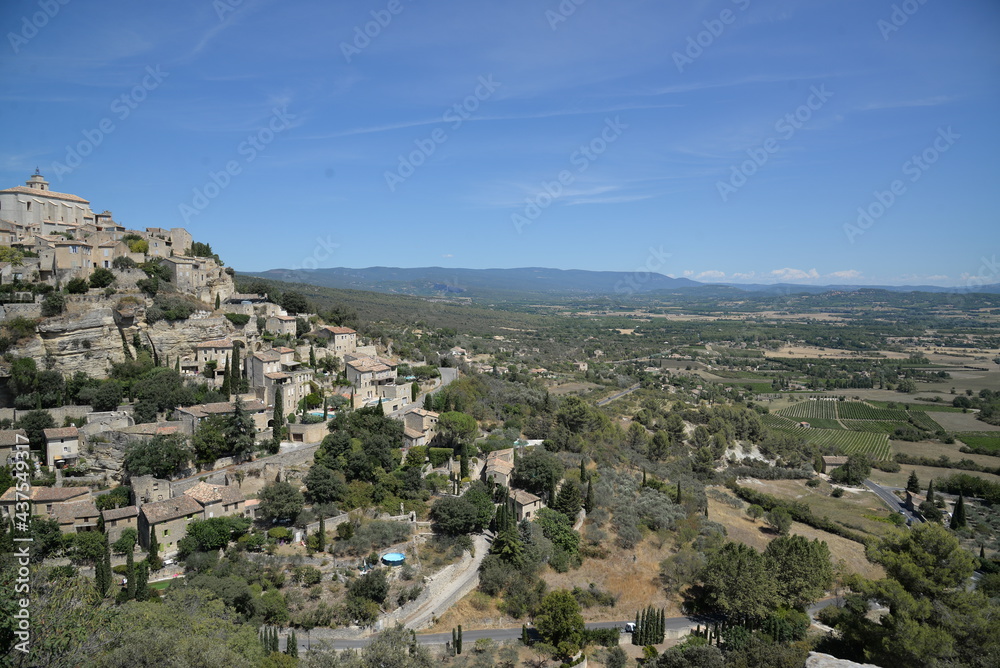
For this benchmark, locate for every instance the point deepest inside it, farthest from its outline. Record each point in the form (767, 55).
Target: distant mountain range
(526, 281)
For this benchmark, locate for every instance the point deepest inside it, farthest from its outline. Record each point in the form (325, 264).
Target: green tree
(913, 483)
(755, 512)
(854, 471)
(77, 286)
(34, 423)
(739, 583)
(454, 516)
(279, 415)
(568, 500)
(240, 430)
(324, 485)
(101, 278)
(53, 304)
(560, 623)
(537, 472)
(958, 519)
(102, 570)
(162, 456)
(780, 519)
(153, 555)
(280, 501)
(802, 569)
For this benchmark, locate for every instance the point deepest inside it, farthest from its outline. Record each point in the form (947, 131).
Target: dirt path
(443, 590)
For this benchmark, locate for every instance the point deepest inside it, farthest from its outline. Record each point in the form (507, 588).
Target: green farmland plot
(851, 442)
(873, 426)
(980, 439)
(859, 410)
(822, 409)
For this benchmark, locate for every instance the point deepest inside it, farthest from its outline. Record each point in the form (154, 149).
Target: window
(74, 249)
(166, 532)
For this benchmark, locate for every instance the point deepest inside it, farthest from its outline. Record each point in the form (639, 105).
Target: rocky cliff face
(90, 339)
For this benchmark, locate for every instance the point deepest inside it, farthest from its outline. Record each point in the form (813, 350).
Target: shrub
(53, 305)
(122, 263)
(238, 319)
(101, 278)
(77, 286)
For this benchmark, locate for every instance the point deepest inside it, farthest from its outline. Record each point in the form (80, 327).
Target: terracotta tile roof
(167, 430)
(283, 351)
(8, 437)
(277, 375)
(35, 192)
(66, 513)
(204, 493)
(499, 466)
(120, 513)
(834, 460)
(505, 455)
(43, 494)
(368, 365)
(220, 408)
(218, 343)
(522, 497)
(338, 330)
(61, 432)
(268, 356)
(412, 433)
(171, 509)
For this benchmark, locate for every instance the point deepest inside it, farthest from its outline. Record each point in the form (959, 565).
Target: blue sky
(831, 141)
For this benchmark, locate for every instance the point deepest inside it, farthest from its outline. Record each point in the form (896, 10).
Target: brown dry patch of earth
(742, 529)
(631, 575)
(572, 388)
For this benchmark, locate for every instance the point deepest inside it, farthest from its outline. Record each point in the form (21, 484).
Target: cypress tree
(142, 581)
(227, 386)
(958, 520)
(279, 415)
(275, 640)
(102, 570)
(930, 491)
(454, 638)
(583, 469)
(130, 574)
(678, 492)
(312, 356)
(635, 634)
(458, 648)
(236, 372)
(524, 634)
(643, 477)
(588, 503)
(913, 483)
(177, 364)
(428, 402)
(321, 542)
(153, 556)
(218, 301)
(292, 644)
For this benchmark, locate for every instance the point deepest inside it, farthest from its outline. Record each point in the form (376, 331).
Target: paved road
(890, 499)
(674, 624)
(621, 394)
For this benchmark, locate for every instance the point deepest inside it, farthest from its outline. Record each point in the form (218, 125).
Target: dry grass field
(742, 529)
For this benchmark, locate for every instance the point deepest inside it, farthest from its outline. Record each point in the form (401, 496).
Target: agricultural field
(873, 426)
(851, 442)
(980, 439)
(859, 410)
(823, 409)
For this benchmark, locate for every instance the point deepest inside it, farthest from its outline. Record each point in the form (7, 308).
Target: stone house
(44, 499)
(76, 517)
(499, 467)
(169, 519)
(422, 420)
(31, 204)
(340, 340)
(62, 446)
(830, 463)
(147, 489)
(9, 440)
(281, 325)
(193, 415)
(117, 520)
(526, 504)
(217, 500)
(367, 374)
